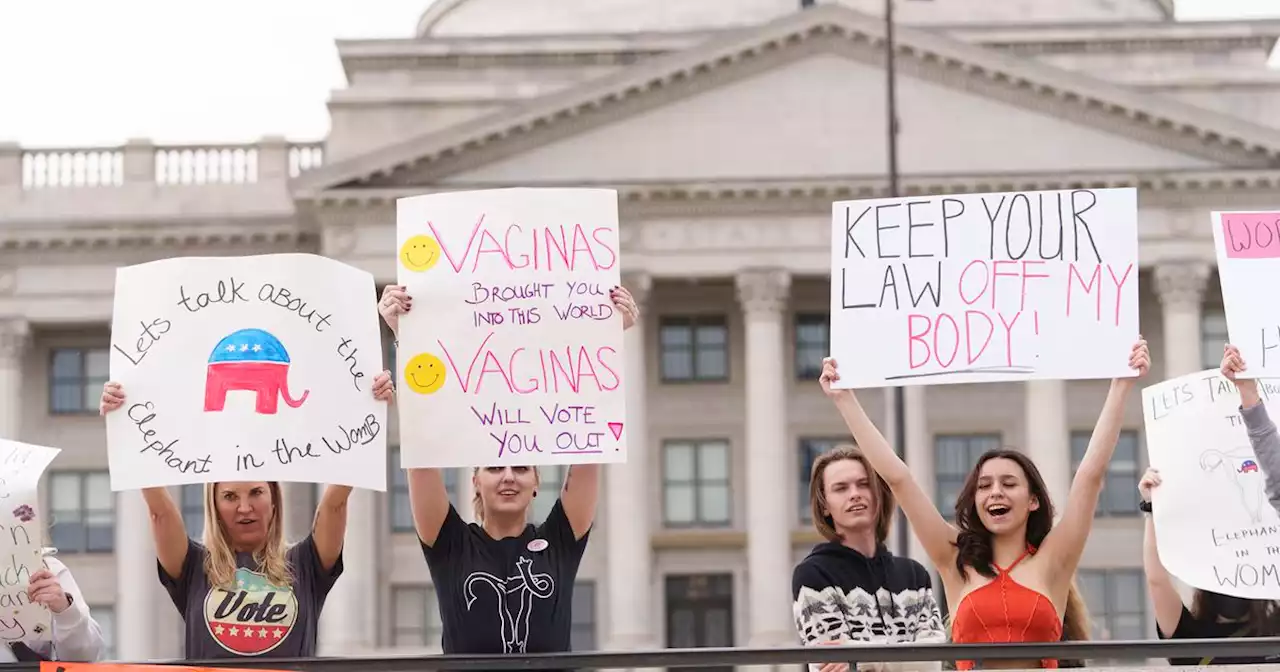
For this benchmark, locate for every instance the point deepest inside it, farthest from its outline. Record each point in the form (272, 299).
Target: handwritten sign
(984, 287)
(512, 352)
(21, 528)
(1214, 526)
(250, 368)
(1248, 245)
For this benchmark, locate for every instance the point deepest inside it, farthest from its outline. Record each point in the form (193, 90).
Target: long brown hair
(220, 561)
(1257, 618)
(973, 544)
(818, 497)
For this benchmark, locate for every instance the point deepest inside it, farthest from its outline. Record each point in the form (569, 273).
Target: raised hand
(383, 390)
(43, 588)
(1140, 357)
(1150, 481)
(1232, 362)
(626, 305)
(829, 376)
(1232, 366)
(395, 300)
(112, 398)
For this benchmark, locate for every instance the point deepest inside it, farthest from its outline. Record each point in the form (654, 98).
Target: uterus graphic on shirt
(1240, 468)
(252, 619)
(514, 597)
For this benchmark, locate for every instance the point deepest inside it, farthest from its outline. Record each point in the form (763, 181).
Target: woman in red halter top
(1004, 565)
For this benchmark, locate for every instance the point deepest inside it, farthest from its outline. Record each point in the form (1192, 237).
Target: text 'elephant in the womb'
(252, 360)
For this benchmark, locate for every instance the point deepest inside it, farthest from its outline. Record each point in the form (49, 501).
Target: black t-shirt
(512, 595)
(1191, 628)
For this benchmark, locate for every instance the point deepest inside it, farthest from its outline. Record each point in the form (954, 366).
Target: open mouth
(997, 510)
(858, 508)
(508, 493)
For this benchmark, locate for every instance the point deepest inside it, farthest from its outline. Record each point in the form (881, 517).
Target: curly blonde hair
(220, 560)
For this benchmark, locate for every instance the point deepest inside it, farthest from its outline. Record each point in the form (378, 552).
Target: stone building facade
(728, 127)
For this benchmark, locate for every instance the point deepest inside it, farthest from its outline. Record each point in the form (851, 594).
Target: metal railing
(713, 657)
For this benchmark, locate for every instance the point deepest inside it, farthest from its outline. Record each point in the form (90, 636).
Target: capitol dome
(459, 18)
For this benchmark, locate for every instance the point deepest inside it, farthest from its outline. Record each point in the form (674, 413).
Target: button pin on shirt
(537, 545)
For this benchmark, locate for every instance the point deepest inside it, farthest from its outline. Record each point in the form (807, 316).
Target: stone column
(465, 495)
(1180, 286)
(14, 338)
(350, 617)
(629, 561)
(1048, 438)
(298, 510)
(919, 460)
(138, 617)
(764, 294)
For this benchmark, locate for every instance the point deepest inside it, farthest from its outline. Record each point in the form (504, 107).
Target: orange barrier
(126, 667)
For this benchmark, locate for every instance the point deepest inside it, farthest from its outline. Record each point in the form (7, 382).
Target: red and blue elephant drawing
(251, 360)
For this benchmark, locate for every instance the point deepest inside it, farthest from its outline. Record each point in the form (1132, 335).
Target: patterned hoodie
(843, 596)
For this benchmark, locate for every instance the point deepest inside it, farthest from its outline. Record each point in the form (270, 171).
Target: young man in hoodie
(851, 589)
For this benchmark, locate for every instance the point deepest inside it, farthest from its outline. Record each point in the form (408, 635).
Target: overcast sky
(84, 72)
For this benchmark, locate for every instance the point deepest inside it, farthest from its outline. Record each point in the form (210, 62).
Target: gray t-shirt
(257, 619)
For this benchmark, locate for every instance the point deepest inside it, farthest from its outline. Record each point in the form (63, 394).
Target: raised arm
(1263, 437)
(933, 531)
(1065, 543)
(167, 528)
(581, 490)
(76, 636)
(579, 495)
(428, 498)
(1164, 595)
(329, 529)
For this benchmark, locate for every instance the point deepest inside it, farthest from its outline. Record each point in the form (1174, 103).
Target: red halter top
(1005, 611)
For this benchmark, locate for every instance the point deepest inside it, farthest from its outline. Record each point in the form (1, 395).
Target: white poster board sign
(1215, 529)
(984, 287)
(246, 369)
(1248, 245)
(21, 528)
(512, 351)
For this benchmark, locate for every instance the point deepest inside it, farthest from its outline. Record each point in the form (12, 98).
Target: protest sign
(512, 352)
(984, 287)
(1248, 245)
(21, 529)
(246, 369)
(1215, 529)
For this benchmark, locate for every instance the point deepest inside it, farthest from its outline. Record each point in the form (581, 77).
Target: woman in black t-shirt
(1212, 615)
(503, 585)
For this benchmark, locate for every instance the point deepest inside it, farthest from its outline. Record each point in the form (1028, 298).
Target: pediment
(804, 98)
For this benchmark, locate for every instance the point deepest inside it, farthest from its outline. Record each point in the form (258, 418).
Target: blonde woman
(504, 586)
(244, 591)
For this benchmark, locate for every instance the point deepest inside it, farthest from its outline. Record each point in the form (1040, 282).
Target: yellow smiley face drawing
(420, 253)
(424, 373)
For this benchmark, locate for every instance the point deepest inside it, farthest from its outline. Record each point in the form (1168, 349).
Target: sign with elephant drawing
(1215, 528)
(21, 530)
(512, 350)
(246, 369)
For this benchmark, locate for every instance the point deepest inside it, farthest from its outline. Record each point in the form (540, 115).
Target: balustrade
(140, 161)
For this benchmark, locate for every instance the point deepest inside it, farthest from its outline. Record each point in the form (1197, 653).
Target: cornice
(1160, 121)
(77, 239)
(790, 194)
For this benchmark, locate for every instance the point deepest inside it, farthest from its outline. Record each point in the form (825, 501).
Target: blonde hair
(220, 561)
(477, 504)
